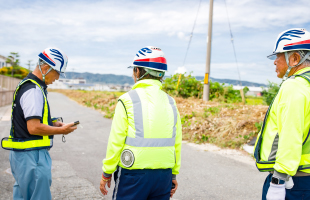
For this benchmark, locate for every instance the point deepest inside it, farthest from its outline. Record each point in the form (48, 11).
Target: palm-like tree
(13, 60)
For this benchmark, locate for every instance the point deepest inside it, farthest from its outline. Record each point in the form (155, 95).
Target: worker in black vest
(32, 128)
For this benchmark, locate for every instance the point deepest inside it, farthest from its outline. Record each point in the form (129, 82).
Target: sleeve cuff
(34, 117)
(279, 175)
(174, 177)
(106, 175)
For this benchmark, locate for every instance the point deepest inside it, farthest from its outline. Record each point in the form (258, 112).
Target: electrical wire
(189, 43)
(190, 38)
(232, 42)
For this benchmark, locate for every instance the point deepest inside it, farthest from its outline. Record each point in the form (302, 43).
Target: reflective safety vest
(151, 130)
(268, 164)
(22, 144)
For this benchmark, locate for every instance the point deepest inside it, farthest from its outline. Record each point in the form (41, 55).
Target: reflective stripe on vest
(20, 144)
(264, 166)
(139, 140)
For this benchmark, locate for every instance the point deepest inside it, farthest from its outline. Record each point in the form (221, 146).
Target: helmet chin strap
(290, 67)
(152, 72)
(43, 75)
(146, 73)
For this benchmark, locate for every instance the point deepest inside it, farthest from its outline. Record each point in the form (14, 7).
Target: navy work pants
(300, 191)
(142, 184)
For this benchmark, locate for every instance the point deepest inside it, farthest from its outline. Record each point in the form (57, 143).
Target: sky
(104, 36)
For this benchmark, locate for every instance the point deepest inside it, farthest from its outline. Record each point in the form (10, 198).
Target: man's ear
(45, 68)
(138, 72)
(294, 59)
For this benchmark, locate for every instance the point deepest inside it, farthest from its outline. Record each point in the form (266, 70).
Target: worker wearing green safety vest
(283, 144)
(32, 128)
(144, 149)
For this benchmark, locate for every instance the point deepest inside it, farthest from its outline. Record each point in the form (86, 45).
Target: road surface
(205, 174)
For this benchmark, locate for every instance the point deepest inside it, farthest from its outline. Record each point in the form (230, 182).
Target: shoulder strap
(305, 75)
(14, 96)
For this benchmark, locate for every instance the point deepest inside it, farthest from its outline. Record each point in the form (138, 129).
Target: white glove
(289, 183)
(276, 192)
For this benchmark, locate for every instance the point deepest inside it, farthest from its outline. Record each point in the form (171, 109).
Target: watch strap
(277, 181)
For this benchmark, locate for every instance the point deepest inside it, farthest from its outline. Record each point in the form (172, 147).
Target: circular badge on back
(127, 158)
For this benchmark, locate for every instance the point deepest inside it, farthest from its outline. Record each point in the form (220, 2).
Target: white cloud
(180, 70)
(102, 36)
(103, 21)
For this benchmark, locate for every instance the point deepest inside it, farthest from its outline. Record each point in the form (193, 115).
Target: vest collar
(303, 70)
(39, 81)
(146, 83)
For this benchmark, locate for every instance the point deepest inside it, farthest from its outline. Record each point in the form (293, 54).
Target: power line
(189, 42)
(232, 42)
(190, 38)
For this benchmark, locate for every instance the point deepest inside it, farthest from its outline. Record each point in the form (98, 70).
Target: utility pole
(29, 65)
(206, 87)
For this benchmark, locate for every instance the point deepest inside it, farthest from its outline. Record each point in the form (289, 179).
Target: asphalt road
(77, 163)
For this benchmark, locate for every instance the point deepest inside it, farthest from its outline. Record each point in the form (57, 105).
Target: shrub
(19, 72)
(190, 87)
(270, 93)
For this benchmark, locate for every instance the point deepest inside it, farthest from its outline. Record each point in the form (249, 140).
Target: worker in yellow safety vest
(32, 128)
(144, 149)
(283, 145)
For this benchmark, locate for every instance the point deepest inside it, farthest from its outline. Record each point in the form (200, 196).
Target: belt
(299, 174)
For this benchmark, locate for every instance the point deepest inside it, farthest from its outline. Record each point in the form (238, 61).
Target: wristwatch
(277, 181)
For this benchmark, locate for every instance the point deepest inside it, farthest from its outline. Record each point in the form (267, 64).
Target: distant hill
(233, 82)
(122, 79)
(101, 78)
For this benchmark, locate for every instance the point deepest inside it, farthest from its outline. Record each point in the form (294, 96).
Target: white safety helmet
(152, 59)
(296, 39)
(55, 58)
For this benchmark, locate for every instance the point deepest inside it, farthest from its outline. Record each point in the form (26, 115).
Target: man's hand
(68, 128)
(175, 189)
(58, 124)
(276, 192)
(35, 127)
(103, 190)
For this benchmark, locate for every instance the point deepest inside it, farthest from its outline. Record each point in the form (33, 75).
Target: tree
(29, 65)
(13, 60)
(271, 92)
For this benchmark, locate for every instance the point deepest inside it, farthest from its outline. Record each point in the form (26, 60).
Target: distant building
(2, 61)
(63, 83)
(80, 84)
(253, 91)
(72, 81)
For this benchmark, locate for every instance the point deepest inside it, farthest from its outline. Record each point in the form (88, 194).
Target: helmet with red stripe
(296, 39)
(150, 57)
(291, 40)
(55, 58)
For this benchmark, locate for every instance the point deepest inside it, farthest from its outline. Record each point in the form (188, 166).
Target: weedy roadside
(224, 124)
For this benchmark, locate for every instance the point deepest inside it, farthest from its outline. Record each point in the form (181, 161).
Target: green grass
(254, 101)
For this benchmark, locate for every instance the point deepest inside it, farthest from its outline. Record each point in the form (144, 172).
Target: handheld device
(173, 186)
(76, 123)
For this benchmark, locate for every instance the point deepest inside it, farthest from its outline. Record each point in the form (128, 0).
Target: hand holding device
(76, 123)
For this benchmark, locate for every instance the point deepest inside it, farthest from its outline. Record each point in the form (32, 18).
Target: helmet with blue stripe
(296, 39)
(55, 58)
(150, 57)
(291, 40)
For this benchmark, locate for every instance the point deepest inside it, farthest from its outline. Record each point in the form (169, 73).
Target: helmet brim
(61, 74)
(272, 56)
